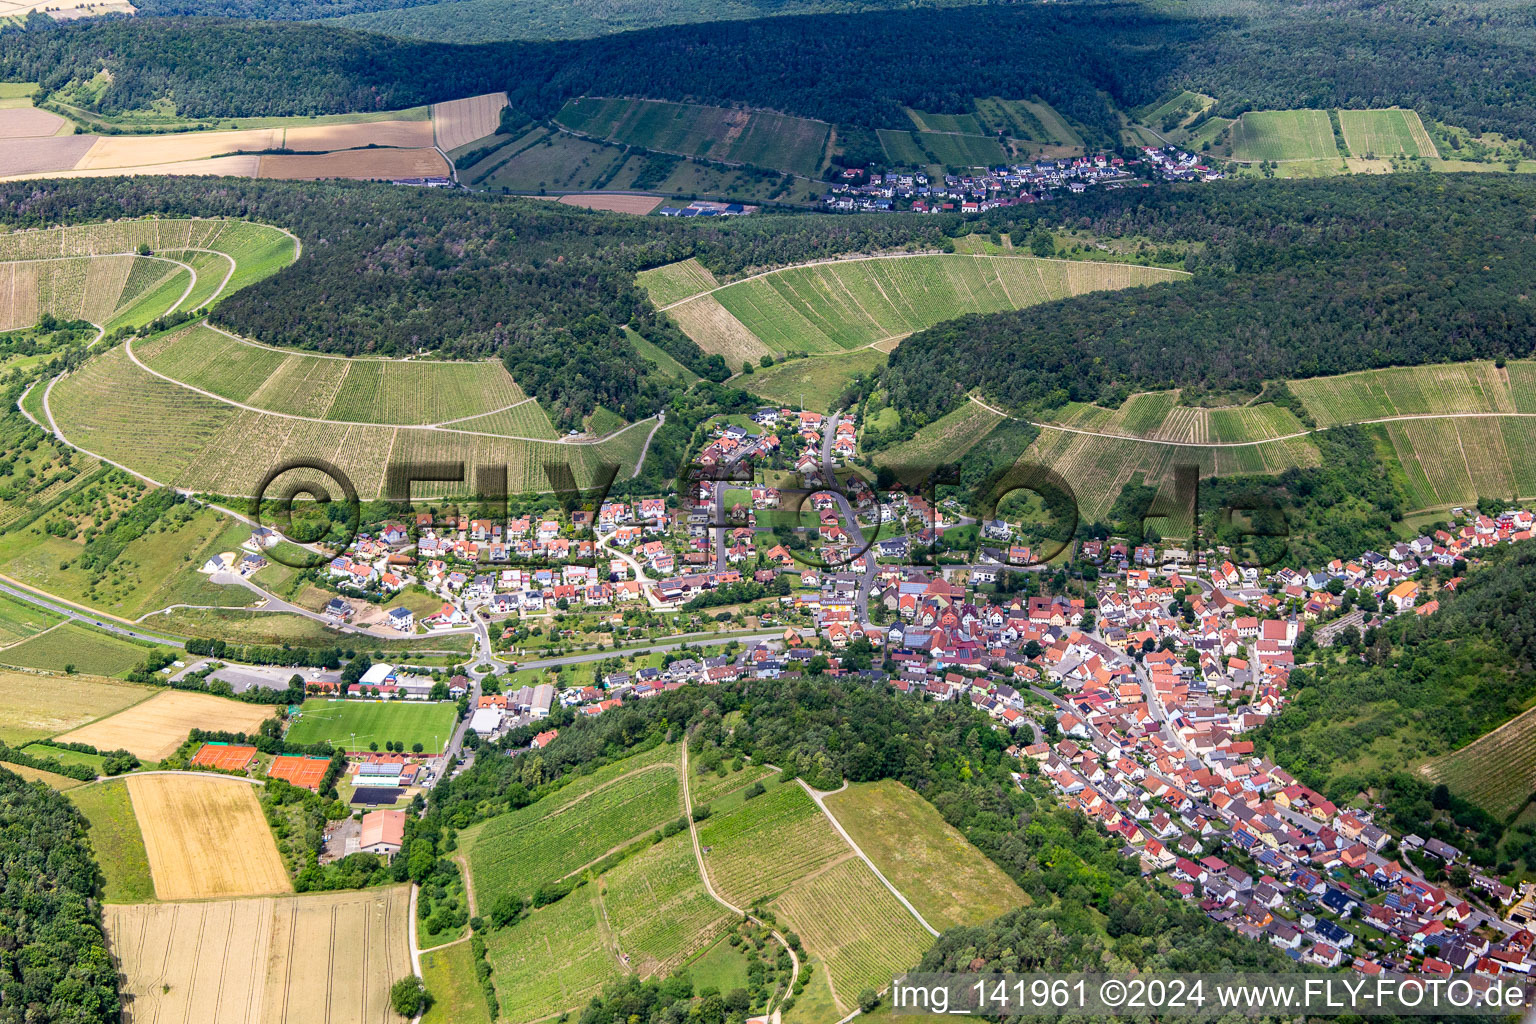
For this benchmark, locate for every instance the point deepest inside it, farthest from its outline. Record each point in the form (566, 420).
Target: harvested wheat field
(155, 728)
(323, 138)
(321, 957)
(43, 155)
(141, 150)
(29, 123)
(616, 203)
(717, 331)
(363, 164)
(206, 837)
(460, 122)
(243, 166)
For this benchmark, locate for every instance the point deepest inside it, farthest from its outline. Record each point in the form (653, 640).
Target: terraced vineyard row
(527, 419)
(765, 845)
(1497, 771)
(863, 935)
(1418, 390)
(666, 285)
(1454, 461)
(658, 909)
(517, 852)
(176, 436)
(853, 303)
(556, 959)
(705, 788)
(355, 390)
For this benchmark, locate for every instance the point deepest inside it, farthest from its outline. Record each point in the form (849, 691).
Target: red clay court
(301, 771)
(227, 756)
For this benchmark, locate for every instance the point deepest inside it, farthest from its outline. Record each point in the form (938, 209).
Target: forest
(394, 271)
(1073, 55)
(54, 964)
(1309, 278)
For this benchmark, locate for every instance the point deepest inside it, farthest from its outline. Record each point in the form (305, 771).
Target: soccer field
(354, 724)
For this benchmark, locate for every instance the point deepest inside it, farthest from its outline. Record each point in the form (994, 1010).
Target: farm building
(383, 833)
(378, 675)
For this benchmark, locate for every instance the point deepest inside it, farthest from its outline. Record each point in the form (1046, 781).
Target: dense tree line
(1073, 55)
(1293, 280)
(396, 271)
(54, 964)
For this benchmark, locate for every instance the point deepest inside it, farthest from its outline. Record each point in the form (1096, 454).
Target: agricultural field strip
(820, 799)
(191, 285)
(1043, 425)
(1495, 769)
(440, 427)
(901, 256)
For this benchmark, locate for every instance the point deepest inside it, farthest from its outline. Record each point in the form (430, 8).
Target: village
(1129, 698)
(1041, 181)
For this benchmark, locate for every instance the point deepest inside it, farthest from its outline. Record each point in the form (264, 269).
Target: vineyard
(175, 436)
(657, 906)
(676, 281)
(757, 137)
(862, 934)
(706, 788)
(1419, 390)
(1496, 771)
(1456, 461)
(519, 851)
(1386, 133)
(914, 149)
(1284, 135)
(525, 419)
(830, 307)
(764, 846)
(555, 959)
(949, 881)
(344, 390)
(1156, 415)
(95, 272)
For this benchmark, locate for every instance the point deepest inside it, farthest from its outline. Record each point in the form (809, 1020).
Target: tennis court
(301, 771)
(232, 757)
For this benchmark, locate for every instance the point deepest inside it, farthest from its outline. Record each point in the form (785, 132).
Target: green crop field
(87, 650)
(1496, 771)
(832, 307)
(116, 841)
(449, 974)
(658, 909)
(756, 137)
(960, 123)
(949, 881)
(853, 923)
(19, 620)
(1284, 135)
(285, 628)
(345, 390)
(761, 847)
(1385, 133)
(945, 439)
(33, 707)
(354, 724)
(813, 383)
